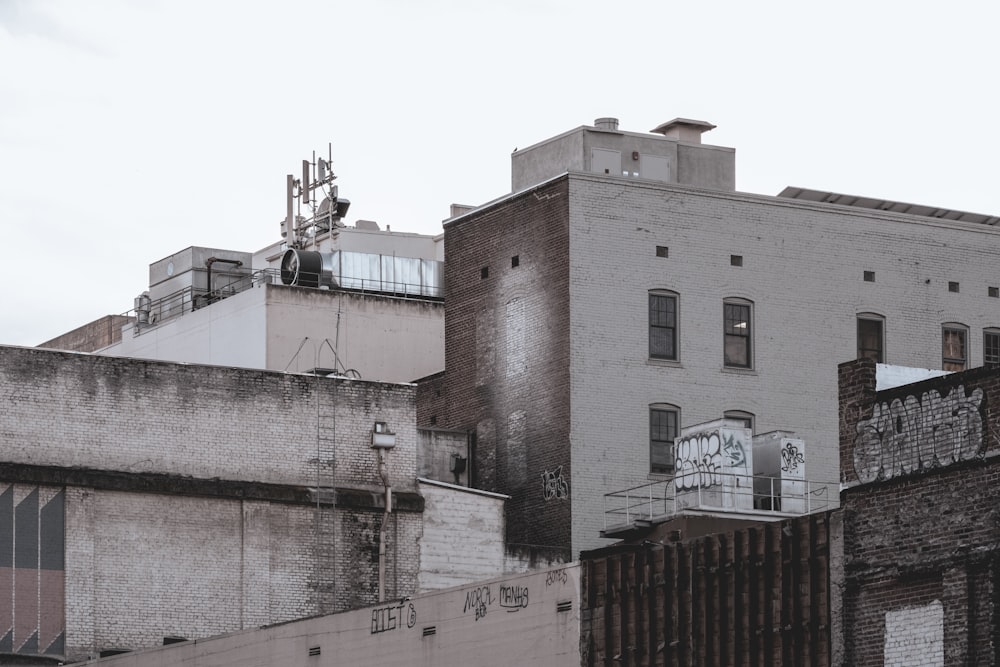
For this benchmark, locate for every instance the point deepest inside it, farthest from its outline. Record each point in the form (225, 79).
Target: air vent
(564, 606)
(430, 630)
(314, 650)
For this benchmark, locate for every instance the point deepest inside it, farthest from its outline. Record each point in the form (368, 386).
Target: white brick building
(604, 306)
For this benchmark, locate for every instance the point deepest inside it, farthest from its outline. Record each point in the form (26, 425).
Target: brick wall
(507, 353)
(190, 493)
(921, 507)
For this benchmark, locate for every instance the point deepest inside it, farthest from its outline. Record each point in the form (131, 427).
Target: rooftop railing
(660, 500)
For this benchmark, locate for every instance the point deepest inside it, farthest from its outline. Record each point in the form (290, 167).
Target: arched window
(663, 324)
(746, 418)
(664, 427)
(737, 317)
(954, 346)
(871, 337)
(991, 347)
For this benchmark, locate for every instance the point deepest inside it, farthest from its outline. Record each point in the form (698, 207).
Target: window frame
(963, 361)
(871, 318)
(656, 443)
(991, 332)
(727, 337)
(748, 418)
(674, 329)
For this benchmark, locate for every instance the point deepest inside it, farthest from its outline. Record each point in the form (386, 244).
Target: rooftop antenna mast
(323, 215)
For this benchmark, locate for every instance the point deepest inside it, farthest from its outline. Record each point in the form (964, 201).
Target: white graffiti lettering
(909, 435)
(698, 461)
(554, 485)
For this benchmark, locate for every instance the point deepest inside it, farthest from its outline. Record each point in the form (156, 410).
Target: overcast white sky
(132, 129)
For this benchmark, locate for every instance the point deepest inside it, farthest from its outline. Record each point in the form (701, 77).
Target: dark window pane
(737, 335)
(953, 349)
(662, 433)
(870, 340)
(991, 349)
(662, 326)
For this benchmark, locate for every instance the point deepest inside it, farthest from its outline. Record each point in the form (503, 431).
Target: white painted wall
(498, 623)
(802, 268)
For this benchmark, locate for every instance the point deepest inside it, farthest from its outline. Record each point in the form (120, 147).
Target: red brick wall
(921, 509)
(507, 357)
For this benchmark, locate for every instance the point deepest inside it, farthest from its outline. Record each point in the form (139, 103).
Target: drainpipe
(383, 440)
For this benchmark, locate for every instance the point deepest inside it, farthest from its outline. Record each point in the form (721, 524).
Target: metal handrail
(659, 499)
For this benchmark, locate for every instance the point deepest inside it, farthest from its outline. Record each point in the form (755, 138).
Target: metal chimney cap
(607, 123)
(684, 129)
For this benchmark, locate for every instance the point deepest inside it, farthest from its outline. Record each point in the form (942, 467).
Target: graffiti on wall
(393, 617)
(510, 598)
(791, 457)
(907, 435)
(700, 458)
(554, 485)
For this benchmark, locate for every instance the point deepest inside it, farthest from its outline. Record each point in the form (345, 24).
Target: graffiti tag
(698, 461)
(554, 485)
(791, 458)
(513, 598)
(478, 599)
(555, 577)
(389, 618)
(909, 435)
(734, 451)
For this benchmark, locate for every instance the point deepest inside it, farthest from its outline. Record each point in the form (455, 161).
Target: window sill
(739, 371)
(668, 363)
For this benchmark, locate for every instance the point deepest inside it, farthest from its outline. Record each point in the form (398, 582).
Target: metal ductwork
(307, 268)
(368, 272)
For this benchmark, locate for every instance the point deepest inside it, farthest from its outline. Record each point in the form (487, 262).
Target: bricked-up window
(871, 337)
(663, 325)
(953, 347)
(737, 333)
(663, 430)
(991, 348)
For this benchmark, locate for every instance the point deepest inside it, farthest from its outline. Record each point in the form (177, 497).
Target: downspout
(383, 472)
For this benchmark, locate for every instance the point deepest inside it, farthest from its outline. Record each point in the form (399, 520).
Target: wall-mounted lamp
(382, 437)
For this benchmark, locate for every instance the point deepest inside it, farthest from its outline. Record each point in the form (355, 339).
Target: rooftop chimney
(606, 124)
(684, 129)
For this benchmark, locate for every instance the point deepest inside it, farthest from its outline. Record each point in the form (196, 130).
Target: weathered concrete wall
(91, 337)
(527, 620)
(921, 467)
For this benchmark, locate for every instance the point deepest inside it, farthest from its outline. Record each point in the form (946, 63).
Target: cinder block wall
(507, 357)
(921, 464)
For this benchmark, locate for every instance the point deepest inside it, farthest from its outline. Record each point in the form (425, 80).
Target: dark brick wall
(431, 401)
(921, 508)
(507, 358)
(755, 596)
